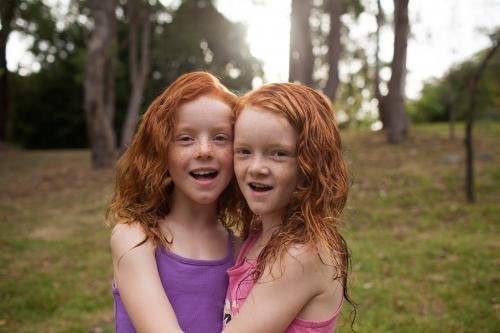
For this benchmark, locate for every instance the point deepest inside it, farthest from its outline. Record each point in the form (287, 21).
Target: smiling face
(200, 157)
(265, 160)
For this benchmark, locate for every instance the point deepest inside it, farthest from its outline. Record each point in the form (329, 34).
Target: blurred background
(416, 89)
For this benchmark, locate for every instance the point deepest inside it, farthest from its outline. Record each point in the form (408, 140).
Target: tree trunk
(450, 108)
(469, 146)
(139, 19)
(380, 17)
(335, 10)
(8, 12)
(397, 121)
(301, 63)
(99, 84)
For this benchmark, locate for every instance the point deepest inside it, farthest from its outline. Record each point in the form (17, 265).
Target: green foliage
(430, 106)
(47, 107)
(354, 87)
(198, 37)
(354, 7)
(34, 19)
(451, 93)
(357, 89)
(201, 38)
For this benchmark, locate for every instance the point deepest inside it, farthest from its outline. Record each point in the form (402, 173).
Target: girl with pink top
(291, 273)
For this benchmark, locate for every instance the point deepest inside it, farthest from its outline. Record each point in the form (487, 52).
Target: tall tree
(7, 14)
(473, 83)
(99, 83)
(380, 17)
(301, 60)
(392, 109)
(335, 50)
(335, 10)
(139, 44)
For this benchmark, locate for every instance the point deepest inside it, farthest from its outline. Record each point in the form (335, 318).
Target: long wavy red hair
(313, 213)
(143, 190)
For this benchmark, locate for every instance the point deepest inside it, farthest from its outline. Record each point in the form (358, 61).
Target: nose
(258, 167)
(205, 149)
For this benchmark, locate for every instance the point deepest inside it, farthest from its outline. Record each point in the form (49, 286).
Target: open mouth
(260, 187)
(204, 174)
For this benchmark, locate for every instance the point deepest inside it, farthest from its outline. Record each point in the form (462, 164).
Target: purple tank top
(195, 288)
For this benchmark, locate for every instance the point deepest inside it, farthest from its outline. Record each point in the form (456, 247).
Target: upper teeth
(260, 185)
(202, 173)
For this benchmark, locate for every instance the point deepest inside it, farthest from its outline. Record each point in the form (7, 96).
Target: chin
(259, 210)
(205, 199)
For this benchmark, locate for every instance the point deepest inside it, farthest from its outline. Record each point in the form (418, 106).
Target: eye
(221, 138)
(242, 152)
(184, 138)
(280, 153)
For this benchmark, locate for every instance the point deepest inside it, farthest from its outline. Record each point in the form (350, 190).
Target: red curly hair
(313, 213)
(143, 190)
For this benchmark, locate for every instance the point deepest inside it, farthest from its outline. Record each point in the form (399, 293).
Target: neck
(269, 224)
(191, 214)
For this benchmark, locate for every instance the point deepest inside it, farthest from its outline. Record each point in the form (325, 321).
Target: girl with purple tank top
(195, 289)
(291, 273)
(173, 204)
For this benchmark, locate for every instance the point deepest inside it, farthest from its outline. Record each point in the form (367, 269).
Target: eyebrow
(268, 145)
(214, 129)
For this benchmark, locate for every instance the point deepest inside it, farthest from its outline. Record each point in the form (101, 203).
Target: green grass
(423, 260)
(54, 258)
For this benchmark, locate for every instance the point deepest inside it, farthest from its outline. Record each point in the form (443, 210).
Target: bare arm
(137, 278)
(278, 297)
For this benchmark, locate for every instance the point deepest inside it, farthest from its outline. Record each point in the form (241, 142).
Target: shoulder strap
(246, 246)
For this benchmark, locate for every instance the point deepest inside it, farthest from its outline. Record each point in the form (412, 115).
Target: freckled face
(265, 160)
(200, 157)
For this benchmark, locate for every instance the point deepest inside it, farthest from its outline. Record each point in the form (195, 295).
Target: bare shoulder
(310, 260)
(126, 236)
(314, 264)
(302, 254)
(297, 262)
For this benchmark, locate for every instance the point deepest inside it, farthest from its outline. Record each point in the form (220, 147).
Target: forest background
(422, 218)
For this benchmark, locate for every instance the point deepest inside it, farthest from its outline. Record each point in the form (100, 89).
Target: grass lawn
(423, 260)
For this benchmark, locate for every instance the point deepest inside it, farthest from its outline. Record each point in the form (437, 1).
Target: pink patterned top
(241, 283)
